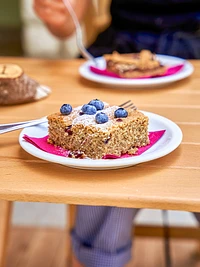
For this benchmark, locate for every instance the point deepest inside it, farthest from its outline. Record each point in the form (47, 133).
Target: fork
(79, 37)
(8, 127)
(128, 104)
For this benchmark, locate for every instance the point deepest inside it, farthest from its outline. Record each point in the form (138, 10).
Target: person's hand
(56, 16)
(51, 12)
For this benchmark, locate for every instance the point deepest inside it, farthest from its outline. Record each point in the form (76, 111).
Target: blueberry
(121, 113)
(99, 105)
(89, 109)
(66, 109)
(101, 118)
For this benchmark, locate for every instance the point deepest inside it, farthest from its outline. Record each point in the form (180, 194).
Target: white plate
(186, 71)
(168, 142)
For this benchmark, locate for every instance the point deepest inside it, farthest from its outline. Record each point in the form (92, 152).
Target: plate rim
(103, 164)
(189, 69)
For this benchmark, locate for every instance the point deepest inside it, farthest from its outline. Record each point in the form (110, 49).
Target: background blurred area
(23, 34)
(10, 28)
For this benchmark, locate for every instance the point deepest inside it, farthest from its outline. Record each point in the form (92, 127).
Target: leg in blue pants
(102, 236)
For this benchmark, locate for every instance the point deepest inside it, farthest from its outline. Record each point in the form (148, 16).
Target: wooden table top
(171, 182)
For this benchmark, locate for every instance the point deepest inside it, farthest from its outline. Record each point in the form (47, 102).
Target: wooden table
(171, 182)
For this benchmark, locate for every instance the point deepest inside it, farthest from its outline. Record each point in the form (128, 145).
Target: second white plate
(186, 71)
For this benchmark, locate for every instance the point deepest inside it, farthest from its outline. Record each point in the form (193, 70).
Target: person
(102, 235)
(164, 27)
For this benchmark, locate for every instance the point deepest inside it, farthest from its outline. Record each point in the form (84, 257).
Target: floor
(45, 247)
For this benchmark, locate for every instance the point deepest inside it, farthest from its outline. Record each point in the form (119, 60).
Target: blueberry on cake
(96, 129)
(134, 65)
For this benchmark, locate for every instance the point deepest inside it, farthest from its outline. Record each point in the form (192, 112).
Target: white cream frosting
(87, 120)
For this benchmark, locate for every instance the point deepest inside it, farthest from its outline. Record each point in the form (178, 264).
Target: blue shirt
(170, 27)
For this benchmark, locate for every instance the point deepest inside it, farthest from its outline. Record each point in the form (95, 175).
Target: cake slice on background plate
(136, 65)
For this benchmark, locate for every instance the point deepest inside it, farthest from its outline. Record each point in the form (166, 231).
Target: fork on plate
(8, 127)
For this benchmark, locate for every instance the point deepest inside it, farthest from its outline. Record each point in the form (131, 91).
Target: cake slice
(143, 64)
(91, 133)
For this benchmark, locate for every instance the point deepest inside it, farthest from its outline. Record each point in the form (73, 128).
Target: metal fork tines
(79, 38)
(128, 104)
